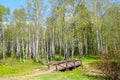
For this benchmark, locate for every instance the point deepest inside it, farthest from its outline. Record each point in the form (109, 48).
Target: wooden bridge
(65, 65)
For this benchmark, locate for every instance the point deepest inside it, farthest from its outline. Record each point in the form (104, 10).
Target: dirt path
(36, 73)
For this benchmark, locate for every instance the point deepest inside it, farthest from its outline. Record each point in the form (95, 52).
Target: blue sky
(13, 4)
(115, 1)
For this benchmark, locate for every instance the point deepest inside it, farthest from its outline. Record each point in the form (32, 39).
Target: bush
(58, 58)
(110, 65)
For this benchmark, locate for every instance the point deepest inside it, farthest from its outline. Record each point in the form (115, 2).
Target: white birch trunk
(26, 50)
(80, 47)
(12, 50)
(37, 27)
(33, 49)
(98, 42)
(47, 52)
(3, 44)
(29, 42)
(18, 48)
(72, 47)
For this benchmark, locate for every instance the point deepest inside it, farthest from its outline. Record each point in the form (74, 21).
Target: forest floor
(85, 72)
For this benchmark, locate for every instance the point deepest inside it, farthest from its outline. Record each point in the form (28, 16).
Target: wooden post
(74, 63)
(56, 67)
(66, 65)
(48, 66)
(81, 62)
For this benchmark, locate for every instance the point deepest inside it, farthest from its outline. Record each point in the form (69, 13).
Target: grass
(28, 66)
(16, 68)
(76, 74)
(90, 59)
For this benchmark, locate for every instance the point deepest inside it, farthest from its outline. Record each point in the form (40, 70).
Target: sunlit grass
(27, 67)
(16, 68)
(76, 74)
(90, 59)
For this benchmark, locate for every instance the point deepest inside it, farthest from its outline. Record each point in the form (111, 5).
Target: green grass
(24, 68)
(68, 75)
(16, 68)
(90, 59)
(76, 74)
(12, 71)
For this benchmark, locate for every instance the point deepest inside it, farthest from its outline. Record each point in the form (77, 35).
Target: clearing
(85, 72)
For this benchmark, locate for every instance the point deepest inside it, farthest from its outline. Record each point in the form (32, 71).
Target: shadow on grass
(92, 57)
(99, 77)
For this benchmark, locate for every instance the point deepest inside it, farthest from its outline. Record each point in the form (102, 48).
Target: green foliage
(73, 27)
(19, 14)
(2, 49)
(3, 11)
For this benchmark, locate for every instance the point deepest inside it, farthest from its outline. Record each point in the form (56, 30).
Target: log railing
(66, 64)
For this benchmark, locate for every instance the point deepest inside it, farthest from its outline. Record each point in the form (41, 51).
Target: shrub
(58, 58)
(110, 65)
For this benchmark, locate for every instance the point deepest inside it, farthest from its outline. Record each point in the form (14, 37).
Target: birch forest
(60, 29)
(70, 28)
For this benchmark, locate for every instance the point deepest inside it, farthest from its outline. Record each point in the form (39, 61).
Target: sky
(115, 1)
(13, 4)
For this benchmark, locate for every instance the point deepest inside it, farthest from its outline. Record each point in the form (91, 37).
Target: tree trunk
(72, 47)
(80, 47)
(26, 50)
(37, 27)
(98, 41)
(29, 42)
(85, 43)
(3, 45)
(18, 49)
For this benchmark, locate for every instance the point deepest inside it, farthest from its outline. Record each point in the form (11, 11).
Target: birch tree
(3, 12)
